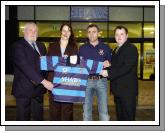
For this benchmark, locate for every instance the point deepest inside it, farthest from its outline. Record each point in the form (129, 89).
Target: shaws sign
(87, 13)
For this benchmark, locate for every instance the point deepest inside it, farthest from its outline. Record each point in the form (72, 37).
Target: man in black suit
(29, 82)
(123, 75)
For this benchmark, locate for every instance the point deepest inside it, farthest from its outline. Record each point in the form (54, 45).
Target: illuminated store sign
(89, 13)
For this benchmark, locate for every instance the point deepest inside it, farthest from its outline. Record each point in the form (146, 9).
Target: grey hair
(28, 24)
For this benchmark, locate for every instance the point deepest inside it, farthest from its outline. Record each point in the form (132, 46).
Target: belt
(95, 77)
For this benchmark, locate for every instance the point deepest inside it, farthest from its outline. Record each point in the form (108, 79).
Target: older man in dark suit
(29, 81)
(123, 75)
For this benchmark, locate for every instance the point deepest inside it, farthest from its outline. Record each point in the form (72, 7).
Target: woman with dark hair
(65, 46)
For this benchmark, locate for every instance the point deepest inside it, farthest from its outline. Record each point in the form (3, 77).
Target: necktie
(33, 44)
(116, 51)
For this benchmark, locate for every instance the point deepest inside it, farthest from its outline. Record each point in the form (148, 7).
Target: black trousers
(27, 108)
(60, 111)
(125, 108)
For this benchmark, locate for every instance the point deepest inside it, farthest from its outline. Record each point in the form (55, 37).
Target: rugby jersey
(69, 81)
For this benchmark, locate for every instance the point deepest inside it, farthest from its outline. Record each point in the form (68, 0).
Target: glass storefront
(134, 29)
(81, 32)
(141, 34)
(149, 61)
(149, 30)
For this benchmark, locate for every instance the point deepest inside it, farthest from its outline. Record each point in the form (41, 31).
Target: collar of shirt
(34, 45)
(119, 45)
(30, 43)
(99, 43)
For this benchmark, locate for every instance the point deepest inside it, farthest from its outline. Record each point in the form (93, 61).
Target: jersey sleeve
(96, 67)
(93, 67)
(48, 62)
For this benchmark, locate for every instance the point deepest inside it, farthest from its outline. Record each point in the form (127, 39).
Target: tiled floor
(146, 95)
(142, 114)
(145, 108)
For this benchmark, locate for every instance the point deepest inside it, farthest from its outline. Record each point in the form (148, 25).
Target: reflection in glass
(149, 60)
(80, 29)
(134, 29)
(149, 30)
(49, 29)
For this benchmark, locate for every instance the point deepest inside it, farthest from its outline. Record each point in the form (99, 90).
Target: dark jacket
(27, 74)
(123, 71)
(54, 50)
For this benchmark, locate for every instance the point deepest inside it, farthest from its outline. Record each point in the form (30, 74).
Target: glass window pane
(149, 13)
(25, 12)
(125, 13)
(149, 30)
(134, 29)
(149, 60)
(21, 28)
(46, 45)
(49, 29)
(52, 12)
(80, 29)
(112, 45)
(46, 29)
(80, 44)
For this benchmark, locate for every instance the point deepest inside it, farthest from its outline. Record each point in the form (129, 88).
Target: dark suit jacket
(123, 71)
(27, 74)
(54, 50)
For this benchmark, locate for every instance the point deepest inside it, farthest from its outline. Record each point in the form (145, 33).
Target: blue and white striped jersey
(69, 81)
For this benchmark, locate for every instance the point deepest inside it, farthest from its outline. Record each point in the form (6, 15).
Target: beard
(33, 39)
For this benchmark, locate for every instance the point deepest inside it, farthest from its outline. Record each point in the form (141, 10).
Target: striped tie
(116, 51)
(33, 44)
